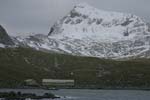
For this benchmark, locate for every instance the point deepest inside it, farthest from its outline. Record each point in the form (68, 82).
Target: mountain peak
(85, 21)
(85, 9)
(93, 12)
(83, 5)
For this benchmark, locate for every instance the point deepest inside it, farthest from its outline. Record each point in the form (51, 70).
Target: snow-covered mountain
(87, 31)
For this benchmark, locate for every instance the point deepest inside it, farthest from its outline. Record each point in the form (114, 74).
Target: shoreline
(142, 89)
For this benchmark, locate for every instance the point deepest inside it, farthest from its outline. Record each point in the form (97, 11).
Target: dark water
(79, 94)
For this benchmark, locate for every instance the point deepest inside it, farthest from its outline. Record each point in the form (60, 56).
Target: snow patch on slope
(2, 45)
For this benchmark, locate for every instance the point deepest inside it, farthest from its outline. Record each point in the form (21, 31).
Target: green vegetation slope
(18, 64)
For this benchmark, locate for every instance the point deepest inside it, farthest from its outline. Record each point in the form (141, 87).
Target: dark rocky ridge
(4, 37)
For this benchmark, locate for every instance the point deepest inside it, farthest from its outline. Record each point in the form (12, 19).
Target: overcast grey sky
(25, 16)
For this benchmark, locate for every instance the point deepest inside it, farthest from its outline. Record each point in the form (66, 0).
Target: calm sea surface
(79, 94)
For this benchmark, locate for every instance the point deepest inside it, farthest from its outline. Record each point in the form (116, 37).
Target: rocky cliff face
(5, 39)
(87, 31)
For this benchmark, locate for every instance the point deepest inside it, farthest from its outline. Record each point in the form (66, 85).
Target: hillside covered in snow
(88, 31)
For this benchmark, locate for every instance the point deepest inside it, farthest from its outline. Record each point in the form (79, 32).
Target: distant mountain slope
(5, 39)
(87, 31)
(18, 64)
